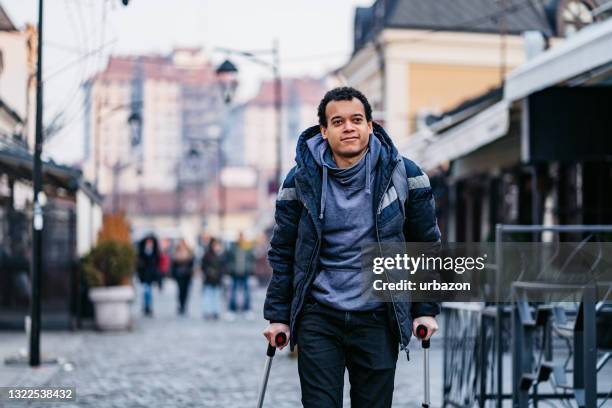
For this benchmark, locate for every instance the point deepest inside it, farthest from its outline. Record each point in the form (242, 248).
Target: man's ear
(370, 127)
(324, 132)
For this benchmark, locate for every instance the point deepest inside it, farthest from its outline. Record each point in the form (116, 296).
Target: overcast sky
(315, 37)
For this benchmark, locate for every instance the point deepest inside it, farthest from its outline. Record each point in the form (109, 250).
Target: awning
(20, 163)
(587, 50)
(482, 129)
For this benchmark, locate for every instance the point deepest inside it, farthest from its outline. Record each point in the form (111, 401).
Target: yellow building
(415, 58)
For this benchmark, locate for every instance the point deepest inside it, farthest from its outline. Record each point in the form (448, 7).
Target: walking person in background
(263, 271)
(240, 260)
(164, 262)
(200, 248)
(212, 273)
(182, 271)
(148, 270)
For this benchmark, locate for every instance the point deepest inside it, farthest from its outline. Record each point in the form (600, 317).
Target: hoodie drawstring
(324, 191)
(368, 171)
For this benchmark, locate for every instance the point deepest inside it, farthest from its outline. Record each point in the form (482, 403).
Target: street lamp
(194, 156)
(274, 66)
(227, 76)
(135, 124)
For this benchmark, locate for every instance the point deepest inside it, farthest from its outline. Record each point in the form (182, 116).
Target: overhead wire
(81, 35)
(84, 60)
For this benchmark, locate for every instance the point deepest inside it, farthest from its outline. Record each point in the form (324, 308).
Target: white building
(17, 79)
(174, 96)
(301, 97)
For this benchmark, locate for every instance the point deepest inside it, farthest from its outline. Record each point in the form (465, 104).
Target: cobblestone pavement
(172, 361)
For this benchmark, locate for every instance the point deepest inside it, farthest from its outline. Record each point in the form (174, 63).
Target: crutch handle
(280, 339)
(421, 332)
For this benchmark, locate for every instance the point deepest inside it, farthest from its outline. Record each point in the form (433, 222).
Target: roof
(155, 67)
(478, 16)
(5, 22)
(306, 90)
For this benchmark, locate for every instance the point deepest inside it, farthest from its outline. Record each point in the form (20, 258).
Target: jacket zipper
(307, 277)
(378, 211)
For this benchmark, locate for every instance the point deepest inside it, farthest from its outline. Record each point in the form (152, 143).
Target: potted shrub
(108, 270)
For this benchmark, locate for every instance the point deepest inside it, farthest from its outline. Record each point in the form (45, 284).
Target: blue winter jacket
(296, 239)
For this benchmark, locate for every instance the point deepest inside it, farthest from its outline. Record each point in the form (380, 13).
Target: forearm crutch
(279, 340)
(421, 334)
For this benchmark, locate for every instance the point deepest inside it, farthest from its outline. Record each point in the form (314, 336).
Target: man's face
(347, 130)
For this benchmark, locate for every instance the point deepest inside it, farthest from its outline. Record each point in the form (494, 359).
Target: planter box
(112, 306)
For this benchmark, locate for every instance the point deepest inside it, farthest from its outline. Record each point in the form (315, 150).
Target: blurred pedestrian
(212, 272)
(240, 261)
(202, 241)
(164, 261)
(263, 271)
(148, 270)
(182, 271)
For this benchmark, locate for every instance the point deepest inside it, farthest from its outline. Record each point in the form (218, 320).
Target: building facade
(414, 59)
(71, 208)
(174, 98)
(536, 151)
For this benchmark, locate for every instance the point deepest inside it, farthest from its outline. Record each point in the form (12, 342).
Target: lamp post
(135, 123)
(38, 216)
(227, 77)
(274, 66)
(38, 220)
(196, 155)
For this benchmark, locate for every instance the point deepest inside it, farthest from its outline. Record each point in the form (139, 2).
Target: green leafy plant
(110, 263)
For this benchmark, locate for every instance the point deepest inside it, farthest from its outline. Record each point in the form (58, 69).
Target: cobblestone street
(172, 361)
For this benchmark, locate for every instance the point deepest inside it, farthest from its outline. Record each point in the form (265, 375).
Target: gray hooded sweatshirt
(348, 223)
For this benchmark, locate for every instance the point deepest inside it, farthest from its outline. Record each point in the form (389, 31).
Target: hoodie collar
(309, 177)
(322, 155)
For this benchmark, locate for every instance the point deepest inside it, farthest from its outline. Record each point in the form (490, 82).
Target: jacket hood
(305, 159)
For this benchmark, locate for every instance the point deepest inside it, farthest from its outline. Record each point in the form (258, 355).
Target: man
(241, 263)
(336, 199)
(148, 270)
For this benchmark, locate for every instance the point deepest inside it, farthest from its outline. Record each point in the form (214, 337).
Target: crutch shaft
(264, 382)
(279, 340)
(426, 401)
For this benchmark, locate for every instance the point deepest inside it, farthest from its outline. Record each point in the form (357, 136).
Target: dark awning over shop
(18, 162)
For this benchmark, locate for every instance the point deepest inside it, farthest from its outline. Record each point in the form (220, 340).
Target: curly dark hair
(345, 93)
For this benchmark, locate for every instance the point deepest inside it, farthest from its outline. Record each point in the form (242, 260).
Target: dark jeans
(240, 283)
(183, 283)
(330, 340)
